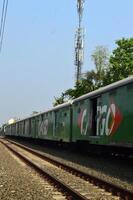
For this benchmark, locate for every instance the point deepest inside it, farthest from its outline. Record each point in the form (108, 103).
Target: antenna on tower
(80, 7)
(79, 41)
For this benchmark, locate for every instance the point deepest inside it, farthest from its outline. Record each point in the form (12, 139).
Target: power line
(2, 17)
(3, 21)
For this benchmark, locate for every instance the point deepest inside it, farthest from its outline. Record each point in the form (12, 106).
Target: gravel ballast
(87, 189)
(116, 171)
(19, 182)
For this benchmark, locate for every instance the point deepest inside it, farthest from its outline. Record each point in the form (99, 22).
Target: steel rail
(70, 193)
(107, 186)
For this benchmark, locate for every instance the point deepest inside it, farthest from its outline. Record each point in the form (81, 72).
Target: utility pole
(79, 41)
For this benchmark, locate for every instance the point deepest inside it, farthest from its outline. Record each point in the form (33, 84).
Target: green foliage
(121, 61)
(59, 100)
(93, 79)
(107, 70)
(81, 87)
(100, 57)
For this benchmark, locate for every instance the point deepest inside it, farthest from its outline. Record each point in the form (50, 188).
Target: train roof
(40, 113)
(91, 95)
(62, 105)
(105, 89)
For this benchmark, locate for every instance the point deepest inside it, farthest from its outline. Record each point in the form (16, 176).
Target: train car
(62, 118)
(8, 130)
(99, 120)
(105, 117)
(54, 124)
(2, 130)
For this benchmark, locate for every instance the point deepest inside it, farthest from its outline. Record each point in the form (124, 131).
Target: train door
(65, 124)
(56, 124)
(94, 113)
(33, 127)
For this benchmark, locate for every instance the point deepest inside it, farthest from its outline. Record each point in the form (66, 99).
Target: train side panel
(55, 125)
(62, 124)
(27, 128)
(45, 126)
(105, 119)
(81, 117)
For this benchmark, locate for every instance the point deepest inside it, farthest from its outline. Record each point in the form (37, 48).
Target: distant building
(11, 121)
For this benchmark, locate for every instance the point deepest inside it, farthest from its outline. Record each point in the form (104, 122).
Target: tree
(93, 79)
(59, 100)
(107, 70)
(100, 57)
(81, 87)
(121, 61)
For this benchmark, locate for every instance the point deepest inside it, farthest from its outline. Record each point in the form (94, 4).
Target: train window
(130, 86)
(81, 102)
(113, 92)
(99, 103)
(76, 104)
(79, 110)
(37, 119)
(42, 117)
(65, 114)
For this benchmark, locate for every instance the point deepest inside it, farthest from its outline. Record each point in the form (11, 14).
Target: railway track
(73, 183)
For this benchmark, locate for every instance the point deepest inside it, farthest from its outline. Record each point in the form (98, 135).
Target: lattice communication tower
(79, 41)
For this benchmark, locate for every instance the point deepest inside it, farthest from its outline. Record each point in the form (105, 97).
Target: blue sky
(36, 62)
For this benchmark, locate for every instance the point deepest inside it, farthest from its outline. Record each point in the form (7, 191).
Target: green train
(101, 120)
